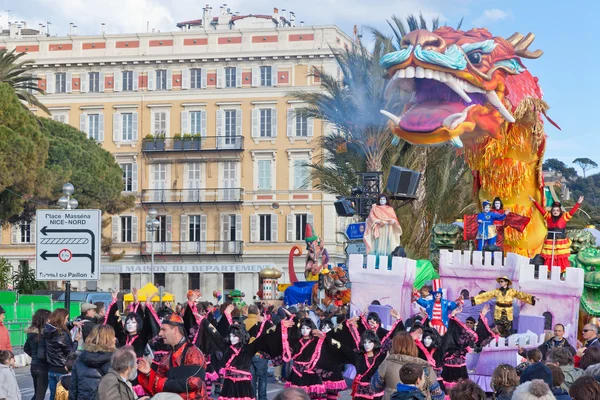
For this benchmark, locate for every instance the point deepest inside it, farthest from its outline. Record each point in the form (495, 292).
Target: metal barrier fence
(18, 318)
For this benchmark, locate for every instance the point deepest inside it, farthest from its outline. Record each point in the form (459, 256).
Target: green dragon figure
(444, 236)
(585, 255)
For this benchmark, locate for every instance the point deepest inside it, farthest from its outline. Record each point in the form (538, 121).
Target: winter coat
(571, 374)
(56, 347)
(560, 393)
(388, 376)
(31, 347)
(407, 392)
(113, 387)
(9, 389)
(504, 394)
(88, 370)
(4, 338)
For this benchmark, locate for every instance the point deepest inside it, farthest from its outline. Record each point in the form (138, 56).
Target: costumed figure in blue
(438, 309)
(486, 231)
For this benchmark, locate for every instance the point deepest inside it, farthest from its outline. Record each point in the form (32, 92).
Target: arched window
(547, 320)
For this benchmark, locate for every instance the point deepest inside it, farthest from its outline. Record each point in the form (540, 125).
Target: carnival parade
(289, 211)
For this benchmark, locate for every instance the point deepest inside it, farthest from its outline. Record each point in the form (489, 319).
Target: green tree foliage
(16, 73)
(24, 280)
(37, 156)
(5, 273)
(585, 164)
(23, 153)
(555, 165)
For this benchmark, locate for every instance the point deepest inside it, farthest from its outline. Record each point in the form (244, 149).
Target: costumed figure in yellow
(504, 295)
(383, 231)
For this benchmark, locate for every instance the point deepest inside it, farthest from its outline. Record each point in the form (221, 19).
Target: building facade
(202, 125)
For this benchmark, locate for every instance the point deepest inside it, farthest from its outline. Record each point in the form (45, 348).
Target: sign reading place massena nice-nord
(67, 245)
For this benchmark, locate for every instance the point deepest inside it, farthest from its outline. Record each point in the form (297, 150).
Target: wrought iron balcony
(210, 247)
(192, 196)
(204, 143)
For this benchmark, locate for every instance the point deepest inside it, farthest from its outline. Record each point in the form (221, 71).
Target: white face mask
(427, 341)
(373, 324)
(326, 329)
(382, 201)
(369, 345)
(487, 208)
(305, 331)
(131, 326)
(233, 339)
(132, 374)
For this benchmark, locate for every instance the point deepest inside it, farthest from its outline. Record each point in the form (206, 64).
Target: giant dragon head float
(472, 90)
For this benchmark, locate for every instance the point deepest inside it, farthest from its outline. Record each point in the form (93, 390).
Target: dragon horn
(521, 43)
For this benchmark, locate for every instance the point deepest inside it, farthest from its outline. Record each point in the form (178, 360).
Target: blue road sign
(355, 231)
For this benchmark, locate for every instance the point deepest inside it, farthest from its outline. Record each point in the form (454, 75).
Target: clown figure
(439, 309)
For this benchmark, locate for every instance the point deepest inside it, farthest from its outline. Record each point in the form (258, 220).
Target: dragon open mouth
(439, 100)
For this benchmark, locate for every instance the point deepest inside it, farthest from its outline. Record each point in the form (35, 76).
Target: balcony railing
(192, 196)
(211, 247)
(204, 143)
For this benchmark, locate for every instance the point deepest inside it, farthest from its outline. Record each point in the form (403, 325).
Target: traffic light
(321, 282)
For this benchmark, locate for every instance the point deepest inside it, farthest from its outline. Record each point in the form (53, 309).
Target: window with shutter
(291, 122)
(220, 77)
(127, 127)
(101, 81)
(300, 226)
(238, 77)
(274, 227)
(266, 77)
(127, 81)
(134, 126)
(265, 122)
(117, 85)
(126, 230)
(274, 77)
(127, 177)
(83, 82)
(134, 229)
(69, 83)
(50, 83)
(254, 228)
(116, 237)
(264, 175)
(203, 78)
(169, 79)
(185, 78)
(290, 228)
(195, 122)
(255, 76)
(134, 177)
(203, 232)
(230, 77)
(301, 174)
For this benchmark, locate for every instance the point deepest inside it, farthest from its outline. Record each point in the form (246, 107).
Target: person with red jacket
(182, 371)
(557, 246)
(4, 336)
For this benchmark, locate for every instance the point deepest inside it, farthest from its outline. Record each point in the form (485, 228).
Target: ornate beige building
(200, 122)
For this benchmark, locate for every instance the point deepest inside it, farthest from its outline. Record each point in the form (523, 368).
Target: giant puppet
(471, 89)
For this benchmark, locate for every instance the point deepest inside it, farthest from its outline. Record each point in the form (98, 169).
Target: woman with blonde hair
(504, 381)
(93, 363)
(404, 351)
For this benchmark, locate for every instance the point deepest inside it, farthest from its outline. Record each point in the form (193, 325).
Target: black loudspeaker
(403, 182)
(344, 208)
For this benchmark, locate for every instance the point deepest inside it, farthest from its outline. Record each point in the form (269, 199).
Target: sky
(565, 30)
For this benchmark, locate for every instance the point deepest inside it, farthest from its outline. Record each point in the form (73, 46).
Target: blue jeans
(53, 378)
(259, 372)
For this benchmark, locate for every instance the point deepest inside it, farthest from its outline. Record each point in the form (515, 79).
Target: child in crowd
(412, 378)
(9, 389)
(504, 381)
(62, 388)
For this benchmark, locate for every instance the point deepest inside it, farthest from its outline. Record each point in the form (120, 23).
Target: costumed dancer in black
(237, 353)
(330, 366)
(456, 343)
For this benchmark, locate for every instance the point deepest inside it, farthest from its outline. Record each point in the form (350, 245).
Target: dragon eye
(475, 57)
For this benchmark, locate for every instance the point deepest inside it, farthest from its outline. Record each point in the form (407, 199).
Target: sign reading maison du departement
(183, 268)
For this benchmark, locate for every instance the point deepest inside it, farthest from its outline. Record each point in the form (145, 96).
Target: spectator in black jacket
(88, 319)
(93, 363)
(558, 340)
(56, 346)
(39, 367)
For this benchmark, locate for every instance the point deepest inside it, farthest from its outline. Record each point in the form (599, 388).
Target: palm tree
(361, 140)
(16, 73)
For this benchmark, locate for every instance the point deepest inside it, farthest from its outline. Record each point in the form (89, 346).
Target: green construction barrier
(7, 297)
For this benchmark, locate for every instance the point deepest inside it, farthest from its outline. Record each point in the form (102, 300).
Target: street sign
(67, 245)
(355, 231)
(356, 248)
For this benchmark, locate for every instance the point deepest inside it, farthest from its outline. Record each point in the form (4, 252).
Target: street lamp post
(66, 202)
(152, 225)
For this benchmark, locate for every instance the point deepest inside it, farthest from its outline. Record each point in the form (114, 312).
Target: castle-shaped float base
(469, 273)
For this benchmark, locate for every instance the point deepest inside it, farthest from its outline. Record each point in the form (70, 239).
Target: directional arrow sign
(67, 245)
(356, 248)
(355, 231)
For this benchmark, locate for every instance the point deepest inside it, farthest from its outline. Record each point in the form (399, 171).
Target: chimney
(283, 13)
(70, 28)
(102, 28)
(24, 24)
(75, 30)
(292, 18)
(13, 30)
(301, 23)
(276, 14)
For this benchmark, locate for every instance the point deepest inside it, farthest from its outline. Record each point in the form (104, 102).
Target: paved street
(26, 386)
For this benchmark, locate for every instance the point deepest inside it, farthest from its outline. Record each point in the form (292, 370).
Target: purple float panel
(390, 286)
(384, 313)
(532, 323)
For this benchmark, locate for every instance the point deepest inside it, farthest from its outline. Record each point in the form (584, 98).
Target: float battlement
(526, 340)
(483, 265)
(391, 286)
(551, 284)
